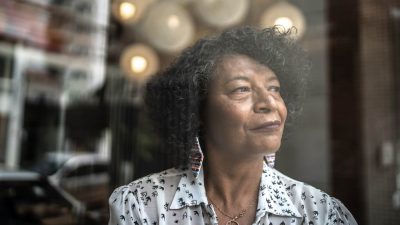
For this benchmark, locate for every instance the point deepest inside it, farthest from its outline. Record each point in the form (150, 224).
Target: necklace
(233, 219)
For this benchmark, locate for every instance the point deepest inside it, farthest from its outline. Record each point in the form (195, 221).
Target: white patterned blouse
(175, 196)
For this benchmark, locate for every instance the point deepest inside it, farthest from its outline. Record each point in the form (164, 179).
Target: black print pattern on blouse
(175, 197)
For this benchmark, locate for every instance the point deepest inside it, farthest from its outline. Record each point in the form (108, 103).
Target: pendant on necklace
(232, 222)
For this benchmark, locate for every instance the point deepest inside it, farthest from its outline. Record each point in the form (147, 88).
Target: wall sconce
(221, 13)
(167, 26)
(284, 15)
(129, 11)
(139, 62)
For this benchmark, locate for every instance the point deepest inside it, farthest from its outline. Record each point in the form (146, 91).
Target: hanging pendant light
(285, 16)
(139, 62)
(129, 11)
(221, 13)
(168, 26)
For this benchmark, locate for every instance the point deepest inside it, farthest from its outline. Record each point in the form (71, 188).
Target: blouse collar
(272, 196)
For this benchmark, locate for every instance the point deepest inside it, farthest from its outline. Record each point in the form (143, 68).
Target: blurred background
(72, 126)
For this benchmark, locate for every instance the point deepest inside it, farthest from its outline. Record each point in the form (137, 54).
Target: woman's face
(245, 113)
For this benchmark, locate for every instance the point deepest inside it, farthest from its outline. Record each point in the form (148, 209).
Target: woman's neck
(231, 181)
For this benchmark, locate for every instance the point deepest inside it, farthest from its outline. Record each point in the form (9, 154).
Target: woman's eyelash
(247, 89)
(275, 88)
(241, 89)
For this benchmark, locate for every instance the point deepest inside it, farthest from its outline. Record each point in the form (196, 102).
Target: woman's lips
(270, 126)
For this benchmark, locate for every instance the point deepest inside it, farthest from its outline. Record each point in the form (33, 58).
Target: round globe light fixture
(285, 22)
(129, 11)
(221, 13)
(167, 26)
(139, 62)
(284, 16)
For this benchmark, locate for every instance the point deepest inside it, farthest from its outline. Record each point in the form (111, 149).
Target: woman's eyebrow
(272, 78)
(237, 78)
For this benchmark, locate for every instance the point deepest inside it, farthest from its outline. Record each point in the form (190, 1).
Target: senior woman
(219, 109)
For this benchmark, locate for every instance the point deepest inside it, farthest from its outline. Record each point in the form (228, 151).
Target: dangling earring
(270, 160)
(196, 158)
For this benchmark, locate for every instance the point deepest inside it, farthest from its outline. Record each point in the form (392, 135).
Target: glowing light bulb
(173, 21)
(285, 22)
(127, 10)
(138, 64)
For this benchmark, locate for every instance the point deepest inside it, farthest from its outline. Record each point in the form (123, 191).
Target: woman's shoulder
(160, 178)
(157, 181)
(302, 192)
(141, 200)
(314, 204)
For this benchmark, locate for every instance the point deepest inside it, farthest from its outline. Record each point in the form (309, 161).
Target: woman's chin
(269, 149)
(269, 145)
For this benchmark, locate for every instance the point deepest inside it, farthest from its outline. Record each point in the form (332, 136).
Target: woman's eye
(275, 89)
(241, 89)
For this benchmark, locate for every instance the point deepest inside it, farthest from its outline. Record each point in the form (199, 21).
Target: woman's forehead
(240, 65)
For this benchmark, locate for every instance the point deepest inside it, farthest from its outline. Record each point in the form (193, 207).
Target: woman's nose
(265, 103)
